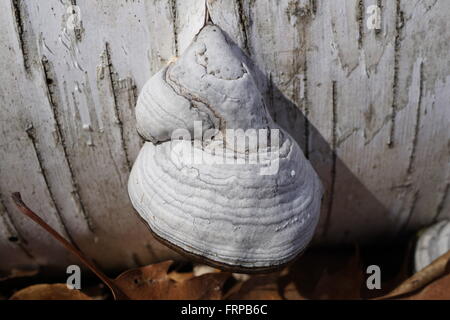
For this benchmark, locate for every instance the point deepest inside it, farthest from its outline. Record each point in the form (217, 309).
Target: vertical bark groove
(243, 23)
(30, 131)
(333, 158)
(173, 10)
(398, 29)
(360, 14)
(114, 89)
(20, 28)
(306, 107)
(49, 80)
(412, 156)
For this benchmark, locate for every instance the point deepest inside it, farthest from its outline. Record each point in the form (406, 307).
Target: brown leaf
(153, 283)
(57, 291)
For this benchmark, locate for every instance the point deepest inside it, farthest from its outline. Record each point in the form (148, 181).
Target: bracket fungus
(432, 243)
(217, 178)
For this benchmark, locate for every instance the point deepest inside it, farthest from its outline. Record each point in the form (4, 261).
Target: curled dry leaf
(57, 291)
(153, 283)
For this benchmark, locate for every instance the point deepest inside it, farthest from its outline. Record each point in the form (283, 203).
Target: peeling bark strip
(333, 159)
(32, 136)
(417, 124)
(52, 98)
(114, 89)
(398, 28)
(243, 22)
(20, 27)
(173, 10)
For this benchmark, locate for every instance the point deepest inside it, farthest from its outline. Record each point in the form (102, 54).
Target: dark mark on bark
(78, 31)
(173, 10)
(360, 14)
(306, 107)
(31, 133)
(114, 87)
(398, 28)
(440, 207)
(333, 159)
(243, 23)
(132, 101)
(54, 102)
(381, 7)
(314, 6)
(412, 156)
(20, 29)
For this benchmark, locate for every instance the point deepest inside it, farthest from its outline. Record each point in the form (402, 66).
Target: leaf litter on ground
(324, 274)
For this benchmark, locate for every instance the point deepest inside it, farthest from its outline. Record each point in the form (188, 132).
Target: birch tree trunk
(369, 107)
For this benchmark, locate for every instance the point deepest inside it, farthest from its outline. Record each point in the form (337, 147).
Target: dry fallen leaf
(57, 291)
(153, 283)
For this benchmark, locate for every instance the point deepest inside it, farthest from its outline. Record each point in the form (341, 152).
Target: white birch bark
(370, 108)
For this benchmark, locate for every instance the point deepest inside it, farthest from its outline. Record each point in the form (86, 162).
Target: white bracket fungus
(219, 179)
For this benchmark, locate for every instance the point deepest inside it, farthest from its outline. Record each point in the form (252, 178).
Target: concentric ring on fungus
(230, 215)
